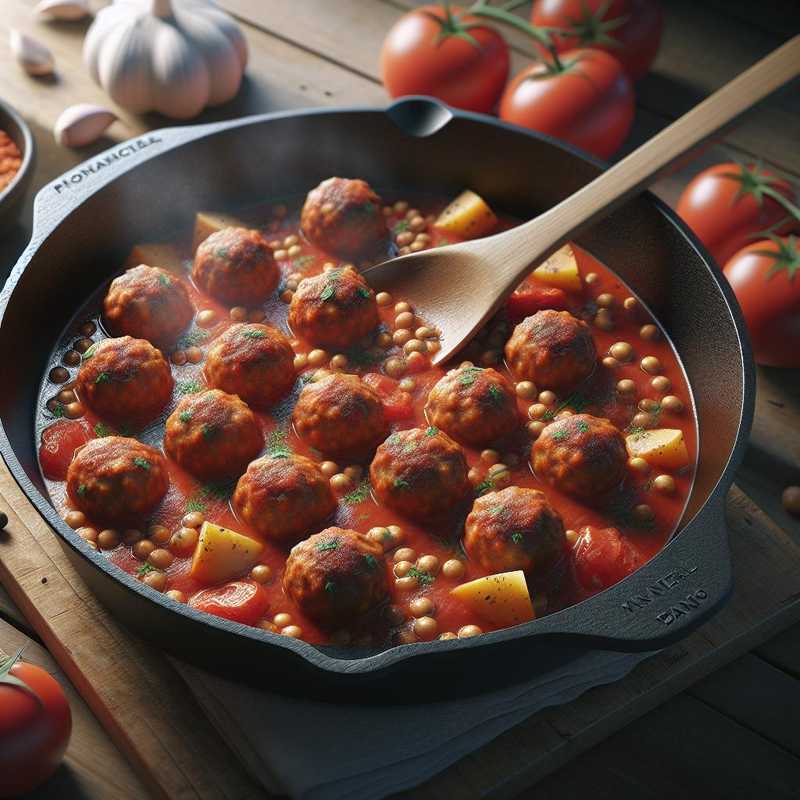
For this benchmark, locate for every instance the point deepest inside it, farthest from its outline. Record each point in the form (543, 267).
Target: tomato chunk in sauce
(562, 377)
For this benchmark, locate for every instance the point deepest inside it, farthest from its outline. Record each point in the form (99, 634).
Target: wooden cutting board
(150, 714)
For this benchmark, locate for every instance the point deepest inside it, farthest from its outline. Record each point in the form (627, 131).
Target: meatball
(148, 303)
(125, 380)
(116, 480)
(514, 529)
(334, 309)
(475, 406)
(341, 417)
(213, 435)
(580, 455)
(553, 349)
(236, 267)
(420, 472)
(335, 576)
(343, 217)
(254, 361)
(283, 497)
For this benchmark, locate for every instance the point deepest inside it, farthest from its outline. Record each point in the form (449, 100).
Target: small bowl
(11, 197)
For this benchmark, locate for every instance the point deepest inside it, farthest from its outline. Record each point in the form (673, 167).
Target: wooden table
(734, 733)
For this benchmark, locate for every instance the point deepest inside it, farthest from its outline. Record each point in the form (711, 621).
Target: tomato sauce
(358, 509)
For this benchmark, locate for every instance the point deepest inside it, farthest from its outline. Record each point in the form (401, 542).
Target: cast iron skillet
(86, 221)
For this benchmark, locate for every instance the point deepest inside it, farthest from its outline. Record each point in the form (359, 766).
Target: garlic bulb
(31, 55)
(62, 9)
(171, 56)
(82, 124)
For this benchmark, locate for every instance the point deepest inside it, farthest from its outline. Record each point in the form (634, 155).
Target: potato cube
(222, 554)
(208, 222)
(155, 254)
(468, 217)
(659, 447)
(560, 270)
(500, 599)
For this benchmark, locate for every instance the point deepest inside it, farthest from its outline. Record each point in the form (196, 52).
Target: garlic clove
(31, 54)
(82, 124)
(62, 9)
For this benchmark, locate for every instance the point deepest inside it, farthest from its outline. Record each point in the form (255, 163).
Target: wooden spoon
(460, 286)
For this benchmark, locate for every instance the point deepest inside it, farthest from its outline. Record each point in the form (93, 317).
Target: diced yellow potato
(222, 554)
(468, 217)
(560, 270)
(208, 222)
(500, 599)
(155, 254)
(660, 447)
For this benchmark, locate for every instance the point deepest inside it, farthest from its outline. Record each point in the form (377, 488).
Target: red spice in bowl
(10, 160)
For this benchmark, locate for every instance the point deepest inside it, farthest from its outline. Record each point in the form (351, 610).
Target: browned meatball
(581, 455)
(117, 480)
(514, 529)
(335, 576)
(148, 303)
(343, 217)
(236, 267)
(553, 349)
(420, 472)
(125, 380)
(283, 497)
(334, 309)
(475, 406)
(213, 435)
(341, 417)
(254, 361)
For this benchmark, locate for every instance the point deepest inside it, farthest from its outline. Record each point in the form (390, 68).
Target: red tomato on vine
(582, 97)
(446, 53)
(729, 204)
(628, 29)
(35, 726)
(765, 276)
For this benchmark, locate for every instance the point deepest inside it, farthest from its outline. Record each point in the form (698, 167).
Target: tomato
(440, 52)
(602, 557)
(584, 98)
(238, 601)
(529, 298)
(628, 29)
(35, 726)
(765, 277)
(59, 443)
(725, 205)
(397, 404)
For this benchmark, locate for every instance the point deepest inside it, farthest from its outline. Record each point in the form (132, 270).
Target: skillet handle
(418, 115)
(664, 600)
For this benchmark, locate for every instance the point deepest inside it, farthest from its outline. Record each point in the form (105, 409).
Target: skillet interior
(274, 157)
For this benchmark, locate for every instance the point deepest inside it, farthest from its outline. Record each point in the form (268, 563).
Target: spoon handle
(538, 238)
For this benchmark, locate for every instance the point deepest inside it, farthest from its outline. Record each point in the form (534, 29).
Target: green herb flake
(185, 417)
(561, 435)
(328, 544)
(328, 293)
(145, 569)
(362, 291)
(372, 562)
(82, 489)
(101, 430)
(189, 387)
(301, 262)
(277, 446)
(194, 504)
(58, 411)
(359, 494)
(192, 339)
(468, 375)
(221, 252)
(142, 463)
(517, 537)
(89, 353)
(164, 279)
(401, 483)
(254, 334)
(399, 227)
(431, 431)
(484, 486)
(495, 394)
(103, 377)
(424, 578)
(330, 587)
(582, 426)
(210, 432)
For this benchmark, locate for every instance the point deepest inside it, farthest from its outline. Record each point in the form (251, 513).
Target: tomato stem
(591, 28)
(504, 13)
(7, 679)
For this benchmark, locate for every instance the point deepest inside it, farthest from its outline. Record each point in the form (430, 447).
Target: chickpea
(158, 534)
(266, 625)
(66, 396)
(404, 320)
(341, 483)
(650, 364)
(406, 583)
(142, 549)
(317, 357)
(72, 358)
(426, 628)
(643, 513)
(178, 358)
(604, 320)
(156, 580)
(383, 299)
(535, 428)
(638, 464)
(609, 362)
(643, 420)
(405, 554)
(194, 519)
(75, 519)
(395, 367)
(108, 539)
(416, 246)
(626, 386)
(537, 410)
(415, 346)
(83, 344)
(672, 404)
(194, 355)
(474, 476)
(282, 619)
(421, 606)
(404, 238)
(401, 336)
(88, 534)
(664, 483)
(649, 332)
(58, 375)
(294, 251)
(160, 559)
(328, 468)
(651, 406)
(526, 390)
(622, 351)
(446, 636)
(292, 631)
(591, 277)
(238, 313)
(424, 332)
(402, 307)
(379, 535)
(131, 536)
(630, 304)
(73, 410)
(384, 340)
(468, 631)
(184, 541)
(402, 568)
(406, 636)
(661, 383)
(571, 536)
(400, 207)
(397, 534)
(339, 361)
(547, 398)
(605, 300)
(489, 357)
(207, 318)
(465, 364)
(490, 457)
(287, 295)
(417, 224)
(416, 362)
(791, 500)
(176, 595)
(453, 568)
(429, 564)
(408, 384)
(290, 241)
(256, 315)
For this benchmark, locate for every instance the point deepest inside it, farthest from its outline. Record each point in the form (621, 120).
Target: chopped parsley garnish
(58, 411)
(365, 357)
(301, 262)
(277, 446)
(194, 504)
(191, 339)
(484, 486)
(431, 431)
(359, 494)
(468, 376)
(142, 463)
(254, 334)
(328, 292)
(145, 569)
(189, 387)
(401, 483)
(101, 430)
(372, 562)
(328, 544)
(221, 252)
(495, 393)
(164, 279)
(185, 416)
(561, 435)
(210, 432)
(103, 377)
(577, 402)
(517, 537)
(89, 353)
(362, 291)
(425, 578)
(582, 426)
(82, 489)
(330, 587)
(399, 227)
